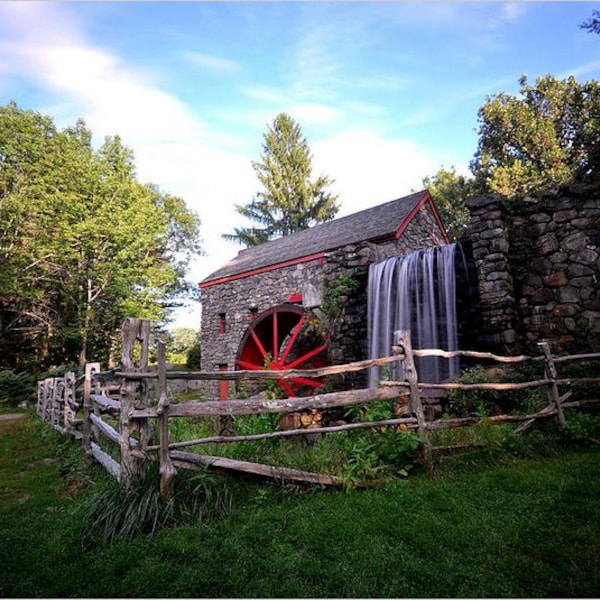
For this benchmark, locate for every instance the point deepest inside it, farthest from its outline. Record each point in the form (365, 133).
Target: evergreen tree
(290, 200)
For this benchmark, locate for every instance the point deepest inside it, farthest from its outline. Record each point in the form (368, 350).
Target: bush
(15, 388)
(462, 403)
(194, 355)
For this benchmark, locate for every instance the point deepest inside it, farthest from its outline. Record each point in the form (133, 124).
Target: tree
(450, 192)
(546, 138)
(290, 200)
(180, 342)
(83, 244)
(593, 23)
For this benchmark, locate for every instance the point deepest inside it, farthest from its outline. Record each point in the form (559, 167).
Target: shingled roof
(372, 224)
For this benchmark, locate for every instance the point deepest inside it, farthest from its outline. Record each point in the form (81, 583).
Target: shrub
(15, 388)
(194, 355)
(483, 402)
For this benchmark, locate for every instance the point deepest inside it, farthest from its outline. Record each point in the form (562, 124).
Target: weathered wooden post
(48, 395)
(402, 338)
(41, 392)
(133, 331)
(56, 403)
(70, 402)
(90, 370)
(168, 471)
(553, 395)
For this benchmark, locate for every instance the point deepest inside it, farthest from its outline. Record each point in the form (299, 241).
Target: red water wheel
(285, 337)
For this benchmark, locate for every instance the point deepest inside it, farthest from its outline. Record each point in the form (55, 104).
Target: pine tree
(289, 201)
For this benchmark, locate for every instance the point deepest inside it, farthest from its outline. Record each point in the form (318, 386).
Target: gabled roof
(378, 223)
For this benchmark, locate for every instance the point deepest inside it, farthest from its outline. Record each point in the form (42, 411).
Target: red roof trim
(426, 199)
(288, 263)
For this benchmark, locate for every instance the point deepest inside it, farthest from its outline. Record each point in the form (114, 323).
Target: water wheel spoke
(292, 341)
(275, 337)
(305, 357)
(314, 383)
(250, 366)
(287, 387)
(259, 345)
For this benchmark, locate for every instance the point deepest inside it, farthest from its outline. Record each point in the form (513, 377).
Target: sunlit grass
(515, 522)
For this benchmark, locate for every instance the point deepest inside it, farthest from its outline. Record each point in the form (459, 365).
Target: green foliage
(581, 369)
(335, 293)
(290, 200)
(193, 359)
(593, 23)
(582, 427)
(525, 528)
(83, 244)
(463, 403)
(545, 138)
(115, 511)
(15, 388)
(450, 192)
(180, 342)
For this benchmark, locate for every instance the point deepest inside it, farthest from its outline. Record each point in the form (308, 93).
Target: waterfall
(416, 292)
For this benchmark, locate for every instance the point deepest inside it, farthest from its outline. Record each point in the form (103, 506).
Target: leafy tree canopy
(83, 244)
(290, 200)
(450, 192)
(548, 136)
(593, 23)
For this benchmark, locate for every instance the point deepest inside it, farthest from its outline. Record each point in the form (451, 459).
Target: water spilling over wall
(416, 292)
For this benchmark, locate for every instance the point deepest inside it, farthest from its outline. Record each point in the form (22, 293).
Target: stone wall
(538, 262)
(228, 308)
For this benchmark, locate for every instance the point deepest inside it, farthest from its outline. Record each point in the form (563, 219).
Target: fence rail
(119, 432)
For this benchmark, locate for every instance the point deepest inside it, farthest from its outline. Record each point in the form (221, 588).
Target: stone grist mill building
(525, 272)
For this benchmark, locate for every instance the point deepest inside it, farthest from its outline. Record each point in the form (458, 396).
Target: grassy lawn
(512, 527)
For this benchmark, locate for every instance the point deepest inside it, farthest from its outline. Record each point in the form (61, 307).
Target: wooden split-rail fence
(129, 406)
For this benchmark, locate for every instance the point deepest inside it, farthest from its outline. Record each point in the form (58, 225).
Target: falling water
(417, 293)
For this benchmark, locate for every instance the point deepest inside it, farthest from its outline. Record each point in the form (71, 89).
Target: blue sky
(385, 92)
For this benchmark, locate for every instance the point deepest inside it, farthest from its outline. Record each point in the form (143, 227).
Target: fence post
(133, 331)
(90, 370)
(402, 338)
(168, 471)
(41, 392)
(56, 402)
(70, 405)
(48, 395)
(553, 395)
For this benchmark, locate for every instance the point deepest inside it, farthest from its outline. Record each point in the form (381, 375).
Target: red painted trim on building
(426, 199)
(287, 263)
(295, 298)
(436, 214)
(223, 384)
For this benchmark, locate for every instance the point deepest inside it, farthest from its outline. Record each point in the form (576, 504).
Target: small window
(253, 312)
(222, 323)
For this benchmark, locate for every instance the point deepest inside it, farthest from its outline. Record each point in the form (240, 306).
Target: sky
(386, 93)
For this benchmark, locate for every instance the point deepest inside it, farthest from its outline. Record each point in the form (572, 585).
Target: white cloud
(314, 113)
(214, 63)
(512, 11)
(369, 169)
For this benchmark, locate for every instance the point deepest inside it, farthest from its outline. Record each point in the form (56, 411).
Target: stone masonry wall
(236, 300)
(538, 262)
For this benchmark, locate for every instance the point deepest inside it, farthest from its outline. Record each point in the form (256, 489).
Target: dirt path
(12, 416)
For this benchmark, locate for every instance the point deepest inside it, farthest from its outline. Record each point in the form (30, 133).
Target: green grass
(484, 525)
